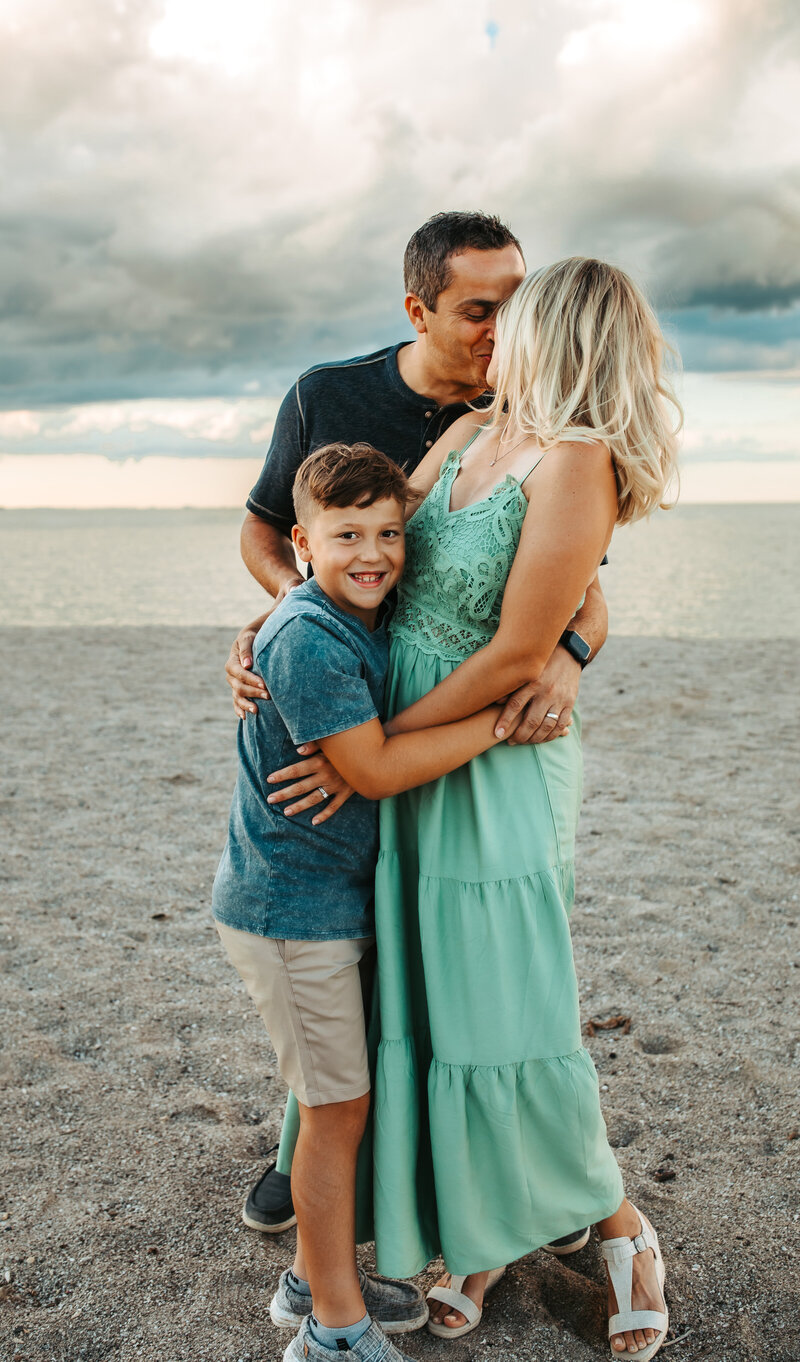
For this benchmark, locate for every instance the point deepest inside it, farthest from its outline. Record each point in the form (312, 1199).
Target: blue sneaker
(373, 1346)
(397, 1306)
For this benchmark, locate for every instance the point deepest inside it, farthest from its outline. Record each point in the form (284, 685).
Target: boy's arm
(377, 765)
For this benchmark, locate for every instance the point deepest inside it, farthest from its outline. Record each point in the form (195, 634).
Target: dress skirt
(487, 1135)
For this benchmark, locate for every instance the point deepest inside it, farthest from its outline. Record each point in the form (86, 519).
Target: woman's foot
(474, 1287)
(646, 1292)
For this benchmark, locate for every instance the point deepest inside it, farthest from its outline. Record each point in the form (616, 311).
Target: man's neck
(421, 377)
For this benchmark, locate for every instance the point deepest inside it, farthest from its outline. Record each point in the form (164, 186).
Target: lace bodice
(457, 564)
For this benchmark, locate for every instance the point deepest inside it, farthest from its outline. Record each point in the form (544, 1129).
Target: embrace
(409, 786)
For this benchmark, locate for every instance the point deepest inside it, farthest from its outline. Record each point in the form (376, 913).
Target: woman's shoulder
(580, 454)
(463, 429)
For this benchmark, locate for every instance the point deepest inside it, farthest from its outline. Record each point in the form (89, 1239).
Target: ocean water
(698, 571)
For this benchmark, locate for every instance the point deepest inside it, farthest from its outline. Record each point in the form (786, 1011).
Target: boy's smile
(357, 553)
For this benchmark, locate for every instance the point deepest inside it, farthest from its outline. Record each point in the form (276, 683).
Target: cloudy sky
(202, 197)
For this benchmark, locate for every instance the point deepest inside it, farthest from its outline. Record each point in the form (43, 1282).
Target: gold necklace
(498, 456)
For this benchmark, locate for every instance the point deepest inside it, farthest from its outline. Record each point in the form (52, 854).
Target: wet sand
(139, 1092)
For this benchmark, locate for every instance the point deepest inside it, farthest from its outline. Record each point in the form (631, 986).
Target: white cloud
(15, 425)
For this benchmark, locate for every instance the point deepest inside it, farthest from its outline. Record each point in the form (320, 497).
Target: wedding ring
(323, 791)
(551, 716)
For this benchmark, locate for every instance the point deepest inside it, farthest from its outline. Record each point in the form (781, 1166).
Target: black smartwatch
(576, 646)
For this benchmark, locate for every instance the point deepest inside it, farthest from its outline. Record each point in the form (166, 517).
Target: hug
(398, 876)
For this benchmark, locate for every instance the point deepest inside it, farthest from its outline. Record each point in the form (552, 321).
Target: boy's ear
(300, 541)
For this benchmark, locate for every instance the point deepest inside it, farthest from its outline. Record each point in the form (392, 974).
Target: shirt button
(428, 444)
(428, 415)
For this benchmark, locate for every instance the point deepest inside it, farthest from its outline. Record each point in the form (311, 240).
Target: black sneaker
(571, 1243)
(269, 1206)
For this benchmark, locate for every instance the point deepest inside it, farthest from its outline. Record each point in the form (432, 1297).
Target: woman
(488, 1136)
(489, 1140)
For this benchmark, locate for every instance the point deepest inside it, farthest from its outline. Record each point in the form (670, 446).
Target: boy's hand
(309, 778)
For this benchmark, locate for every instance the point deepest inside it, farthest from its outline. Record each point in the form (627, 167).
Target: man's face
(460, 333)
(357, 553)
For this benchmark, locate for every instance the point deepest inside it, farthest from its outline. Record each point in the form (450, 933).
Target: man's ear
(301, 545)
(416, 313)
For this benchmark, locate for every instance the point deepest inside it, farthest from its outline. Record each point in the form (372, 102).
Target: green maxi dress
(487, 1135)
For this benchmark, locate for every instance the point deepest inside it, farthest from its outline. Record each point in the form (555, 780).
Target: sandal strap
(617, 1251)
(628, 1320)
(457, 1301)
(619, 1255)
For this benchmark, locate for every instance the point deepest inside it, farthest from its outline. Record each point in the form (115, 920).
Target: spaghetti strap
(472, 437)
(535, 465)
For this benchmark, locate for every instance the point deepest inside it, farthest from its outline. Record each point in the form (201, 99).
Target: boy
(293, 901)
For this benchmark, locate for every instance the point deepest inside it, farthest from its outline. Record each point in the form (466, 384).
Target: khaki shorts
(311, 997)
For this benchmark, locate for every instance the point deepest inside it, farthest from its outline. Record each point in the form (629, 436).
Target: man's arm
(265, 541)
(269, 557)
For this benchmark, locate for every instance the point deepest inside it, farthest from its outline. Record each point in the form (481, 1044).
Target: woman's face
(491, 372)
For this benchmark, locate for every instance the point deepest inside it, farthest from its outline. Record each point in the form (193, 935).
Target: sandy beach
(139, 1091)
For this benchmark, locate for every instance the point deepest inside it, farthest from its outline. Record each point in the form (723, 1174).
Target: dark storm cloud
(168, 227)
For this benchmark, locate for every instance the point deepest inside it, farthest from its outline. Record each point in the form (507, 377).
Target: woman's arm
(567, 528)
(377, 766)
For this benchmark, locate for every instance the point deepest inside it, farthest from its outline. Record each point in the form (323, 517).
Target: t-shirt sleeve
(271, 498)
(316, 680)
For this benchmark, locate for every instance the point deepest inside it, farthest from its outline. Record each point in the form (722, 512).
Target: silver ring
(323, 791)
(551, 716)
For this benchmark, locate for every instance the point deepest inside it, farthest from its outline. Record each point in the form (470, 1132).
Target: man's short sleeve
(271, 498)
(316, 680)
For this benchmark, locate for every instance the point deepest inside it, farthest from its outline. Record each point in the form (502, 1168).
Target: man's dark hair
(426, 264)
(346, 475)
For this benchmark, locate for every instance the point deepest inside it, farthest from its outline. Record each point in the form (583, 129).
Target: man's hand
(547, 703)
(308, 781)
(288, 585)
(245, 684)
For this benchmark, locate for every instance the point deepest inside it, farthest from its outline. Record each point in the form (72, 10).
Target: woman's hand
(309, 779)
(245, 684)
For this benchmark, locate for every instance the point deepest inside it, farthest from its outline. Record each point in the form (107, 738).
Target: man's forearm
(591, 621)
(268, 555)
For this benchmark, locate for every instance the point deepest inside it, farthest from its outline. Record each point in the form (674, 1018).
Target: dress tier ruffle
(487, 1136)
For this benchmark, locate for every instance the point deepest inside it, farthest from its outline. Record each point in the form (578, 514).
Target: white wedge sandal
(453, 1296)
(619, 1255)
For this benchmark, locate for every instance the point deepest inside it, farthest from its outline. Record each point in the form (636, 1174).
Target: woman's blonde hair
(580, 357)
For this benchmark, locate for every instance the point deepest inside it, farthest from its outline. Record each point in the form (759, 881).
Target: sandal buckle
(639, 1243)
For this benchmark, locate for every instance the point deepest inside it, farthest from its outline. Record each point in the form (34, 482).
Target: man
(459, 268)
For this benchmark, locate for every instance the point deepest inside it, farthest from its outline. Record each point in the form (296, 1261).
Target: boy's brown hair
(346, 475)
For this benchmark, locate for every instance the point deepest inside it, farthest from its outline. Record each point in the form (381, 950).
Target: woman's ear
(301, 544)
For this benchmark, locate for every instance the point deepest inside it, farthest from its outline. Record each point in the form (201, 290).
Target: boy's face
(357, 553)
